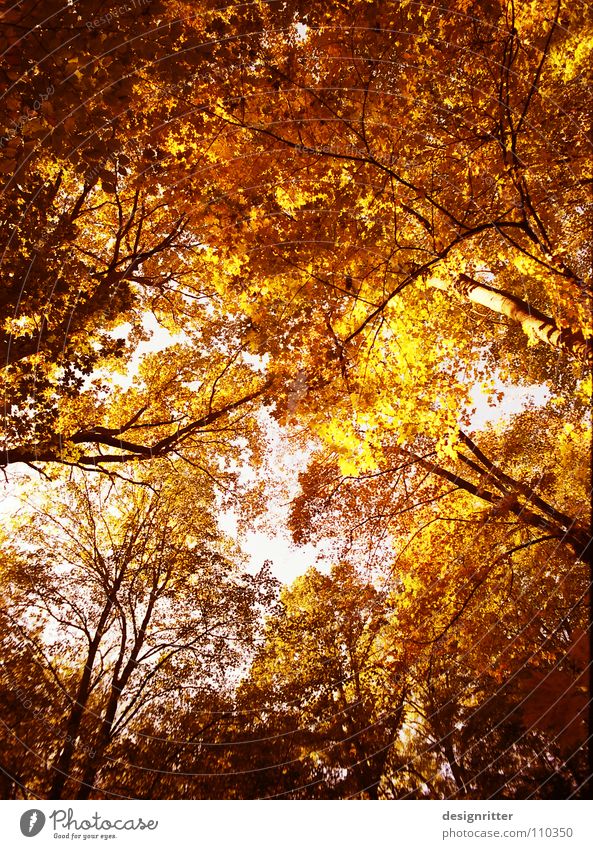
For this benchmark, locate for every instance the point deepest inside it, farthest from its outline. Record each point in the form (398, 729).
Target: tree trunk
(587, 558)
(534, 323)
(456, 770)
(61, 767)
(62, 764)
(95, 758)
(588, 785)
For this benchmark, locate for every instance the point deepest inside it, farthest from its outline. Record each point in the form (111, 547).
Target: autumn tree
(92, 244)
(324, 699)
(359, 217)
(125, 599)
(474, 733)
(30, 714)
(411, 163)
(359, 245)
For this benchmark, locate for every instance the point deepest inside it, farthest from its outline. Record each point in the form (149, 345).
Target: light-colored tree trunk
(535, 324)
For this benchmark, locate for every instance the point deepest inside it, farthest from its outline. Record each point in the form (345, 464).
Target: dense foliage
(349, 233)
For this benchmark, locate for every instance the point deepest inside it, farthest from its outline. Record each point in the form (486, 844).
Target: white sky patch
(302, 31)
(270, 539)
(289, 560)
(515, 399)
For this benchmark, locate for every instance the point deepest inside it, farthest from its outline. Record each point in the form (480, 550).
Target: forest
(319, 270)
